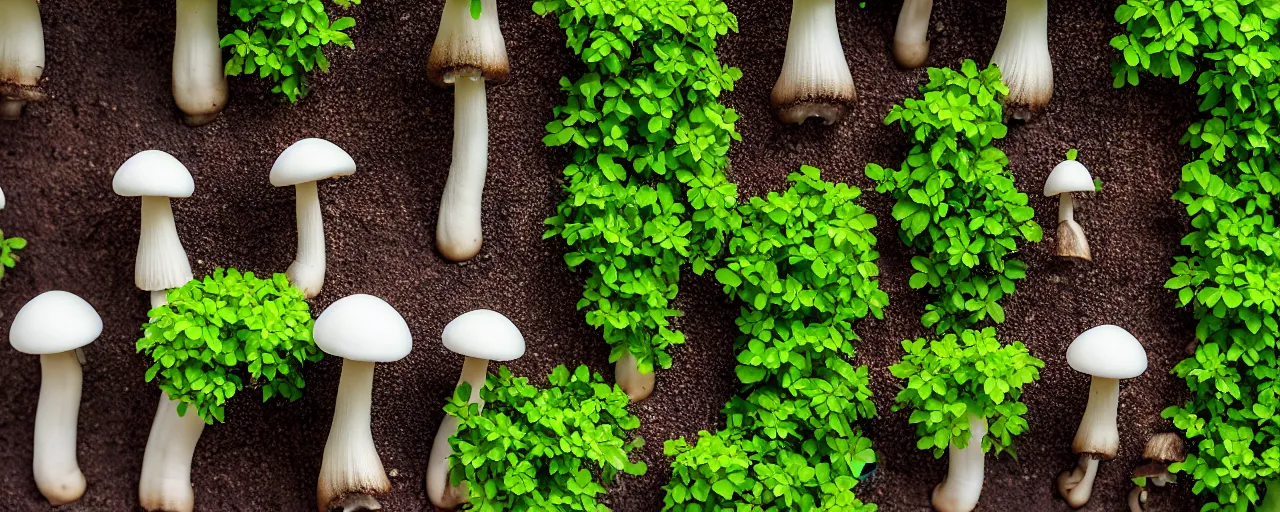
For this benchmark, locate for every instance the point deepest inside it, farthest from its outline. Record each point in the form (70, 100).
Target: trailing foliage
(227, 330)
(803, 265)
(542, 449)
(283, 40)
(1231, 275)
(647, 191)
(9, 248)
(956, 202)
(971, 373)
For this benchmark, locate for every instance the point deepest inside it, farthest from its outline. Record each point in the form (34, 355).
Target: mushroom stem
(159, 298)
(351, 470)
(634, 383)
(1271, 501)
(307, 270)
(166, 465)
(815, 79)
(160, 251)
(1077, 484)
(910, 40)
(57, 474)
(199, 83)
(458, 231)
(1066, 206)
(1136, 498)
(960, 490)
(474, 372)
(1098, 434)
(21, 56)
(1023, 56)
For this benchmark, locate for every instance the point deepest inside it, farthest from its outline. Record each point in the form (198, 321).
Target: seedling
(9, 248)
(284, 40)
(21, 56)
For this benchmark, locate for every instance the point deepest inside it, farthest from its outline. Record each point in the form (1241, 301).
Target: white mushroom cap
(1109, 352)
(1068, 176)
(153, 173)
(311, 160)
(484, 334)
(1, 199)
(363, 328)
(54, 322)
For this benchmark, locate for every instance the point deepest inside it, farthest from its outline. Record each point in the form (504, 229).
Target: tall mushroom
(1067, 177)
(1023, 57)
(199, 83)
(815, 79)
(479, 336)
(301, 166)
(165, 482)
(910, 40)
(960, 490)
(54, 326)
(362, 330)
(1107, 353)
(467, 52)
(21, 56)
(157, 176)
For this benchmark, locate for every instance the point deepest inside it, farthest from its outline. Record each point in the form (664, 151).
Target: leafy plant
(218, 333)
(956, 202)
(803, 264)
(970, 373)
(283, 40)
(647, 190)
(542, 449)
(1228, 277)
(9, 248)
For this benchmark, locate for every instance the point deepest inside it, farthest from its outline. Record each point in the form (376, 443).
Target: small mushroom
(363, 330)
(301, 166)
(1023, 57)
(479, 336)
(21, 56)
(199, 81)
(157, 176)
(467, 52)
(1161, 449)
(1107, 353)
(1067, 177)
(54, 326)
(910, 40)
(815, 79)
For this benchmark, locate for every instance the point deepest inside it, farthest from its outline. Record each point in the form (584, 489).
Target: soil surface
(108, 75)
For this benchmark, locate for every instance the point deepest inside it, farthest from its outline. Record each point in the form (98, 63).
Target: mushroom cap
(363, 328)
(1068, 176)
(153, 173)
(54, 322)
(484, 334)
(1150, 470)
(311, 160)
(1165, 447)
(468, 47)
(1109, 352)
(1, 199)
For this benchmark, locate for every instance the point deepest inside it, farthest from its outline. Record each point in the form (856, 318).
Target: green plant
(283, 40)
(971, 373)
(1228, 277)
(9, 248)
(803, 264)
(955, 200)
(542, 449)
(218, 332)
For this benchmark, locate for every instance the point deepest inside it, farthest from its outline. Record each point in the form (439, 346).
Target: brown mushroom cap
(1165, 447)
(1151, 470)
(468, 47)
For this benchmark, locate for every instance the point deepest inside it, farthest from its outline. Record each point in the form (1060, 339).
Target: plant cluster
(218, 333)
(1229, 277)
(970, 373)
(542, 449)
(803, 265)
(9, 248)
(647, 189)
(283, 40)
(955, 201)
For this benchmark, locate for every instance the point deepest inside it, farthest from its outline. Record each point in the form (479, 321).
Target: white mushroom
(1, 199)
(467, 52)
(165, 483)
(1107, 353)
(815, 79)
(910, 40)
(54, 326)
(363, 330)
(1023, 57)
(199, 83)
(1067, 177)
(301, 166)
(636, 384)
(157, 176)
(960, 490)
(480, 336)
(21, 56)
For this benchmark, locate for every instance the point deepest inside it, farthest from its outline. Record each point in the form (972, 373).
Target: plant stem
(57, 473)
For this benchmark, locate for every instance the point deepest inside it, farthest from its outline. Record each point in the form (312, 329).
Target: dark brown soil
(108, 73)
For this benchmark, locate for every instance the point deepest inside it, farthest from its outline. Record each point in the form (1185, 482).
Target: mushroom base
(910, 54)
(961, 489)
(636, 384)
(1072, 242)
(799, 112)
(1076, 485)
(165, 484)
